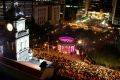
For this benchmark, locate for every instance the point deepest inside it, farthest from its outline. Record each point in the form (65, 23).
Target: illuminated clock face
(9, 27)
(20, 26)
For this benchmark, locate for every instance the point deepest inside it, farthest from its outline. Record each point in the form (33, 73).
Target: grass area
(107, 55)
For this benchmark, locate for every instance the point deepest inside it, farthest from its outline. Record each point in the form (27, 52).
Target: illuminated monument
(66, 45)
(17, 35)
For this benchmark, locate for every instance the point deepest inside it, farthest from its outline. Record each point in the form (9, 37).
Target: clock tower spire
(19, 41)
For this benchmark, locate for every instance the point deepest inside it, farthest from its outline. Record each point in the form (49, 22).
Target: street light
(80, 45)
(79, 41)
(47, 45)
(83, 49)
(93, 42)
(48, 48)
(53, 47)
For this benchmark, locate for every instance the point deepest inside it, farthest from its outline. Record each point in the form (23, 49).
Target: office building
(24, 5)
(40, 14)
(97, 5)
(46, 13)
(71, 8)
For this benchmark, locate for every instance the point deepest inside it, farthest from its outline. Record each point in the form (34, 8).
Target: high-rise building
(49, 2)
(40, 14)
(116, 12)
(55, 17)
(97, 5)
(83, 8)
(39, 2)
(25, 5)
(71, 7)
(62, 9)
(44, 12)
(1, 10)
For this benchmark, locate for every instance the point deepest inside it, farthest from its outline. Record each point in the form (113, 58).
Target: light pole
(48, 45)
(79, 41)
(48, 48)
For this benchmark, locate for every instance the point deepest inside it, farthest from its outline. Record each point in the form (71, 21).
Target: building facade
(97, 5)
(71, 8)
(25, 5)
(15, 35)
(40, 14)
(46, 13)
(115, 12)
(55, 17)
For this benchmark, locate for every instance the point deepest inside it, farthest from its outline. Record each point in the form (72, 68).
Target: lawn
(107, 55)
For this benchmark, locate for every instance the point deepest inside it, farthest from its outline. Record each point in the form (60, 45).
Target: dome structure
(14, 13)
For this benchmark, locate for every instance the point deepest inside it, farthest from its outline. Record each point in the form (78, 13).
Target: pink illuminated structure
(66, 45)
(66, 39)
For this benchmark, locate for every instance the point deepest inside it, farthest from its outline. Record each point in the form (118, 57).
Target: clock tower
(17, 42)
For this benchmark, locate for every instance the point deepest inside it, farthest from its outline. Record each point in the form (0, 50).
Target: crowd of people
(75, 69)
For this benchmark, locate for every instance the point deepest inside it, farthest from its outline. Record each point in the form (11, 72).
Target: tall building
(71, 7)
(62, 9)
(25, 5)
(40, 14)
(1, 10)
(43, 12)
(55, 17)
(83, 9)
(97, 5)
(40, 2)
(62, 1)
(47, 2)
(116, 12)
